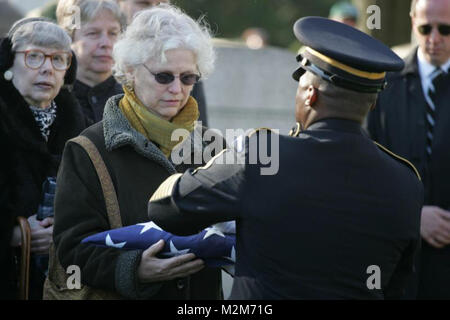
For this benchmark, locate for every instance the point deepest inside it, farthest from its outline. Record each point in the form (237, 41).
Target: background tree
(228, 19)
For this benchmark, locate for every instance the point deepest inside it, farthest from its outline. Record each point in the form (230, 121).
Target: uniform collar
(336, 124)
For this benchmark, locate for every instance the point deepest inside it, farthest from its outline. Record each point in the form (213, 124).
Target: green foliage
(229, 18)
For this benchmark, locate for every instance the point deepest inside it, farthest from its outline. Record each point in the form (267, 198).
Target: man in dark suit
(412, 118)
(339, 219)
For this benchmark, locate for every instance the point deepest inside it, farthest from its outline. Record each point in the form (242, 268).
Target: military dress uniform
(338, 205)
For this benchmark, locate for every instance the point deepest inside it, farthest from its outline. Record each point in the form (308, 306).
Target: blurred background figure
(38, 115)
(131, 7)
(344, 12)
(48, 10)
(255, 38)
(101, 23)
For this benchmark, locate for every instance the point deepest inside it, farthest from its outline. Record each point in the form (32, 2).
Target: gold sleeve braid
(166, 188)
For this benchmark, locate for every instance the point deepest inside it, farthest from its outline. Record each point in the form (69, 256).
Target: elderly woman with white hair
(159, 59)
(38, 114)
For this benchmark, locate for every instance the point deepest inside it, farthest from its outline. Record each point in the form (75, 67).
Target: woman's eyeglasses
(34, 59)
(425, 29)
(188, 79)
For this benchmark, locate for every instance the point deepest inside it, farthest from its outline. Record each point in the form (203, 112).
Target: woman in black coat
(38, 114)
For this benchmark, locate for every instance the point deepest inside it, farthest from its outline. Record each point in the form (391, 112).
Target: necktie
(437, 78)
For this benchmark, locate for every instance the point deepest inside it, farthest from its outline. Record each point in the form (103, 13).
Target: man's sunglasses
(188, 79)
(425, 29)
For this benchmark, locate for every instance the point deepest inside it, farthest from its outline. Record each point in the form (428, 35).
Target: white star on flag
(110, 243)
(214, 250)
(211, 231)
(148, 226)
(175, 251)
(233, 254)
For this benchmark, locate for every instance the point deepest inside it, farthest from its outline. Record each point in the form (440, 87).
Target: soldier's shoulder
(399, 159)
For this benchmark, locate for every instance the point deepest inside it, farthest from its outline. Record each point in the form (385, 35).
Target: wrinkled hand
(153, 269)
(435, 226)
(41, 234)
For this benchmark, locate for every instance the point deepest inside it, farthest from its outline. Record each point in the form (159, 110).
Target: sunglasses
(187, 79)
(425, 29)
(34, 59)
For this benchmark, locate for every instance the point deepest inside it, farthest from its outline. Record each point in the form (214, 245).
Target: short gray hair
(159, 29)
(88, 10)
(42, 34)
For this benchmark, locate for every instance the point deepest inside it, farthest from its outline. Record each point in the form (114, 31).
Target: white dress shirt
(425, 71)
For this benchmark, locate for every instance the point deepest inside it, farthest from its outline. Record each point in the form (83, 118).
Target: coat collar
(411, 65)
(21, 127)
(118, 132)
(105, 86)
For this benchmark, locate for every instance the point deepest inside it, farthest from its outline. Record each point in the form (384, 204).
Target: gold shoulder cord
(409, 164)
(210, 162)
(296, 130)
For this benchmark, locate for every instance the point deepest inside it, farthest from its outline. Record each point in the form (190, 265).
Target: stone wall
(251, 88)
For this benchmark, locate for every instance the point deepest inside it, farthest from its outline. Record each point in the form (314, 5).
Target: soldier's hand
(435, 226)
(153, 269)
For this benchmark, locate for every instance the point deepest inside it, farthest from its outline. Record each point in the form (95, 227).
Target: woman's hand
(152, 269)
(41, 234)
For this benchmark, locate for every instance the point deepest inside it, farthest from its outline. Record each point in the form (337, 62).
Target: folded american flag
(216, 248)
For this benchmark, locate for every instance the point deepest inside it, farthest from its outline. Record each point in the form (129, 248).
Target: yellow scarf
(155, 128)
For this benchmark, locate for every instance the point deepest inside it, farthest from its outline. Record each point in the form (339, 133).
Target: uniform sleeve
(185, 204)
(80, 212)
(403, 274)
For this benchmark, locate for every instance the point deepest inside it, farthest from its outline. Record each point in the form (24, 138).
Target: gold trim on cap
(353, 71)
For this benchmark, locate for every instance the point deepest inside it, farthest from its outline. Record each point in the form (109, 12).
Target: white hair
(42, 34)
(87, 10)
(157, 30)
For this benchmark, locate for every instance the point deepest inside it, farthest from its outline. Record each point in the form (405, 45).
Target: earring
(8, 75)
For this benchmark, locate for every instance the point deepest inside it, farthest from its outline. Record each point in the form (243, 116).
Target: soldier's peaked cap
(343, 55)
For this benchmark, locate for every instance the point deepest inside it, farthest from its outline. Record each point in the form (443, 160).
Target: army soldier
(340, 218)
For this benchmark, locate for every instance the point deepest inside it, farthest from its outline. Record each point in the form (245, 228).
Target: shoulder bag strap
(109, 193)
(24, 277)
